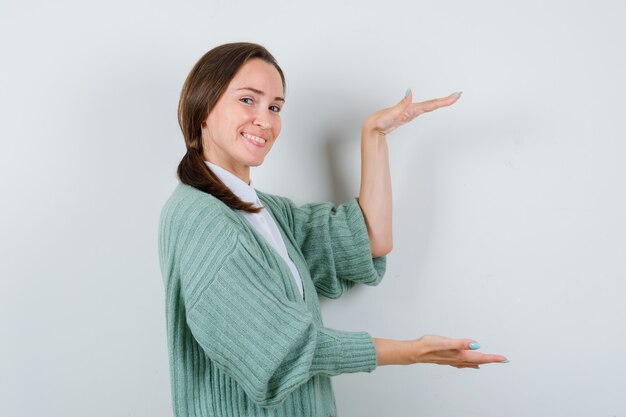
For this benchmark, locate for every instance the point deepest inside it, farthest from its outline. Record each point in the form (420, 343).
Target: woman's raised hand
(460, 353)
(375, 191)
(386, 120)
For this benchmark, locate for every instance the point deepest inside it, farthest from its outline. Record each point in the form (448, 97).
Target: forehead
(260, 75)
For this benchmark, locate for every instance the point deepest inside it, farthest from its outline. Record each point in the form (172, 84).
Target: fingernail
(474, 345)
(505, 361)
(406, 93)
(458, 94)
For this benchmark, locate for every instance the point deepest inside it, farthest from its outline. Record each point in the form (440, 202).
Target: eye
(275, 109)
(243, 100)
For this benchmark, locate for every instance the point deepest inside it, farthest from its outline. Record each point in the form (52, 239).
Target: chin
(256, 163)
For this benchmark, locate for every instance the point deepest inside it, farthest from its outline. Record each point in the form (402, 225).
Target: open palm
(387, 120)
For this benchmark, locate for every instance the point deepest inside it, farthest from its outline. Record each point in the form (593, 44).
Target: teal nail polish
(406, 93)
(474, 345)
(505, 361)
(458, 93)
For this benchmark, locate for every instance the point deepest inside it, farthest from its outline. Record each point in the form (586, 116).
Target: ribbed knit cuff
(354, 249)
(339, 352)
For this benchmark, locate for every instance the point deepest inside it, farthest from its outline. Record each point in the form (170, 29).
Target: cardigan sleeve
(239, 314)
(335, 245)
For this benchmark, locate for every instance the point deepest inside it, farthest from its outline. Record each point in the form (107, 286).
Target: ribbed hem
(339, 352)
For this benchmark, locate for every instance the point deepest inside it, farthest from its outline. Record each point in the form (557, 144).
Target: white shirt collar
(242, 190)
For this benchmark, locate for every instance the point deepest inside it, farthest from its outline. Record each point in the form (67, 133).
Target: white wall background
(510, 206)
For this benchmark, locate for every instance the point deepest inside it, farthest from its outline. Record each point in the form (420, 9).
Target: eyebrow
(261, 93)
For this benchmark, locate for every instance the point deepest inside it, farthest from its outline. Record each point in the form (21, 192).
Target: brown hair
(203, 87)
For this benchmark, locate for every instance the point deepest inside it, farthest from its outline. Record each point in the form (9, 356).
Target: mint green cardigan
(242, 340)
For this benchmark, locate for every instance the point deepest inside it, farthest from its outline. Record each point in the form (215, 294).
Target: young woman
(243, 269)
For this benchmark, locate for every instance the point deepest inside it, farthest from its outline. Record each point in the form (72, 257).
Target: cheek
(277, 127)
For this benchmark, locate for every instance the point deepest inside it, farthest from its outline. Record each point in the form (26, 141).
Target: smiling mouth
(254, 139)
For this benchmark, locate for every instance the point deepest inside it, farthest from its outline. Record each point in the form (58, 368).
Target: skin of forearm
(375, 192)
(394, 352)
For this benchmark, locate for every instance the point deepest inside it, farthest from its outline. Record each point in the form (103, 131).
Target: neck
(243, 173)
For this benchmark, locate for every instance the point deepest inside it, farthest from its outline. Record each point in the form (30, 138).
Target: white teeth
(254, 138)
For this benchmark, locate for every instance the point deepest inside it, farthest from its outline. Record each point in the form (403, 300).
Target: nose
(263, 119)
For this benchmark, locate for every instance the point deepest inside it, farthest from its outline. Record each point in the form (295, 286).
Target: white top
(263, 222)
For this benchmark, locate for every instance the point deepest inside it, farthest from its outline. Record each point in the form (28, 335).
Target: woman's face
(245, 122)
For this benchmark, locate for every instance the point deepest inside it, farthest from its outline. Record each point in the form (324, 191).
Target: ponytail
(193, 171)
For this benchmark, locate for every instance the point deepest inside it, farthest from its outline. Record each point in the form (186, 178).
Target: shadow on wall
(334, 144)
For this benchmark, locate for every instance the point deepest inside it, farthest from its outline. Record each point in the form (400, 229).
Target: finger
(467, 344)
(473, 345)
(430, 105)
(404, 110)
(408, 95)
(434, 104)
(481, 358)
(466, 366)
(439, 343)
(464, 344)
(406, 100)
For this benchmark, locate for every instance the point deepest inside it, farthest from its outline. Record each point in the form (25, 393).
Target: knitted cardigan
(242, 340)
